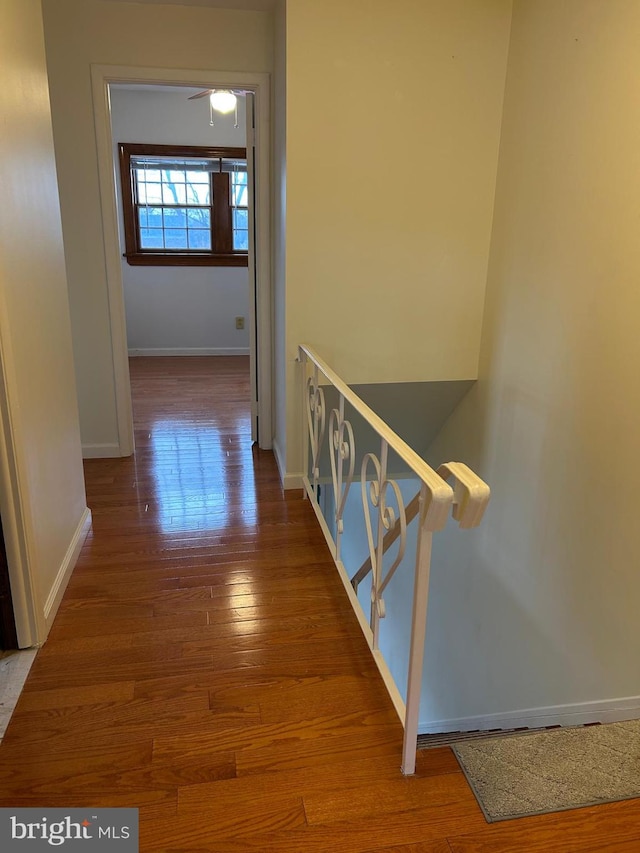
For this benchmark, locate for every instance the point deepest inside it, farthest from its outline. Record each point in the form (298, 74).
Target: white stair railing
(386, 517)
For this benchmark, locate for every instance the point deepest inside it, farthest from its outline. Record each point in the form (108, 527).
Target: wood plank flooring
(205, 665)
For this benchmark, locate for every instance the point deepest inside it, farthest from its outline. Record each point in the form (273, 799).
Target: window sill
(176, 259)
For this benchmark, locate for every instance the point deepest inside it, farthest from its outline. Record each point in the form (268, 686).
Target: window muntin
(173, 203)
(184, 209)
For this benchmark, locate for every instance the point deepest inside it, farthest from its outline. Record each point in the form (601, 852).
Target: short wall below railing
(346, 441)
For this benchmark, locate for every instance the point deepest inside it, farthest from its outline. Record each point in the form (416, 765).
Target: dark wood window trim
(222, 253)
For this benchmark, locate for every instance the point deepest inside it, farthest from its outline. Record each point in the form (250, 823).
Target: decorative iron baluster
(374, 494)
(316, 422)
(411, 511)
(343, 450)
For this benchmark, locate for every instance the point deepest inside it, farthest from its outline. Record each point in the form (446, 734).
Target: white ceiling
(250, 5)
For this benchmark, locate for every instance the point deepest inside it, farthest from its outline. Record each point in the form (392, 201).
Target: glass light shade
(223, 101)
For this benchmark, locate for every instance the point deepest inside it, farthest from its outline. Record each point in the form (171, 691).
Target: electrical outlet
(239, 322)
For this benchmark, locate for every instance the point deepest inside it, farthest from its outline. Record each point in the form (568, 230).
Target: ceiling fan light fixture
(223, 101)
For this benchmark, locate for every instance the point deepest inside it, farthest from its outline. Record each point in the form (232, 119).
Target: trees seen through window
(185, 205)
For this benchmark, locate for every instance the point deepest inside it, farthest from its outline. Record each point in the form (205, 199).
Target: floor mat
(550, 771)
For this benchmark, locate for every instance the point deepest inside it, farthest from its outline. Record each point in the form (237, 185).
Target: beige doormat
(526, 774)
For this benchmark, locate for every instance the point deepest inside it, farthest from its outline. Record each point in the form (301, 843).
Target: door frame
(102, 76)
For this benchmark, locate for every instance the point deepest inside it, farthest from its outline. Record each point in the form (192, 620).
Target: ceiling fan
(221, 100)
(220, 96)
(211, 92)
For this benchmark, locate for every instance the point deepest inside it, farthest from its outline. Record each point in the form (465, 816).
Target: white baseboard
(279, 460)
(190, 351)
(289, 481)
(66, 568)
(580, 713)
(293, 481)
(100, 451)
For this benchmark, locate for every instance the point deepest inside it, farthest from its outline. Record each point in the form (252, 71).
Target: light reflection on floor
(197, 468)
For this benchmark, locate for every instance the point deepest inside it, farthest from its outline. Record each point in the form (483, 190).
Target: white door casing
(260, 283)
(253, 289)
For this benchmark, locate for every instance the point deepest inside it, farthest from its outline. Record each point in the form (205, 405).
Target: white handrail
(386, 518)
(440, 493)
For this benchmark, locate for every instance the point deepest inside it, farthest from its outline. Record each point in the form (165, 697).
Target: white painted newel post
(418, 636)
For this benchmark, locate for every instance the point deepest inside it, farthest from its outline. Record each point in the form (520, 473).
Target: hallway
(205, 665)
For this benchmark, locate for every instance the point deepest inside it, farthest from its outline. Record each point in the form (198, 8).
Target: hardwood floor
(205, 665)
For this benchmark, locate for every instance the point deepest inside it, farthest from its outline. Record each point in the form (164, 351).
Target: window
(185, 205)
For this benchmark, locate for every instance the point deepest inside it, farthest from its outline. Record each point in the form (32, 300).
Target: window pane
(175, 217)
(142, 217)
(198, 193)
(197, 177)
(198, 217)
(174, 193)
(240, 219)
(150, 175)
(175, 238)
(173, 177)
(200, 239)
(150, 193)
(151, 238)
(239, 178)
(155, 217)
(240, 196)
(241, 241)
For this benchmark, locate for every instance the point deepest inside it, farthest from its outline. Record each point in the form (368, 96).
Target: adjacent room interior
(183, 218)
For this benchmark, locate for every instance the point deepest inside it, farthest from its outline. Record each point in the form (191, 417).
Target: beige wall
(393, 123)
(80, 33)
(430, 74)
(540, 607)
(42, 487)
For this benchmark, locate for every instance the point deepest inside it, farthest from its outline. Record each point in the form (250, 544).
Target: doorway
(258, 317)
(185, 206)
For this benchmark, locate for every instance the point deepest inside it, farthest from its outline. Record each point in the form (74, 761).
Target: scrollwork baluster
(342, 446)
(374, 494)
(316, 421)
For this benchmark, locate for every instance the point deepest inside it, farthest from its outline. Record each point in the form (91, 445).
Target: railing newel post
(418, 636)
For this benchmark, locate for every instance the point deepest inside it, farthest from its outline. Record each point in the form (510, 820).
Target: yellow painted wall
(44, 480)
(540, 607)
(393, 123)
